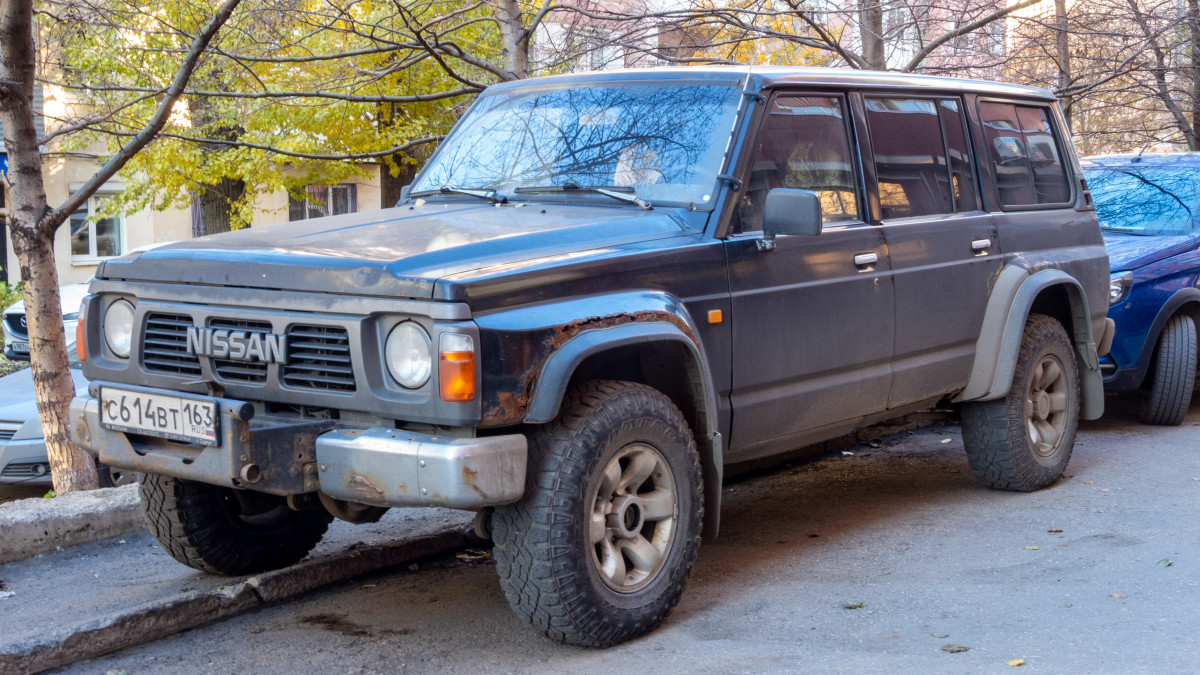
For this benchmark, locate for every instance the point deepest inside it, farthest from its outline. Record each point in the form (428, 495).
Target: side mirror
(790, 211)
(403, 194)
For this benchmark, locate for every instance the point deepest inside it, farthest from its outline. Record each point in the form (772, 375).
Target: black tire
(225, 531)
(109, 476)
(1172, 374)
(563, 551)
(1023, 441)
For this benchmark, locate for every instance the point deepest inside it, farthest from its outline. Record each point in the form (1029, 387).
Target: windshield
(1149, 200)
(663, 143)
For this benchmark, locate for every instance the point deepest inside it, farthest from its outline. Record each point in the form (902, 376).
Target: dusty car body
(601, 290)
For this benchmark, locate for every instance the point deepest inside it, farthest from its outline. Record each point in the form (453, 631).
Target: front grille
(26, 470)
(14, 326)
(164, 347)
(7, 434)
(247, 372)
(319, 358)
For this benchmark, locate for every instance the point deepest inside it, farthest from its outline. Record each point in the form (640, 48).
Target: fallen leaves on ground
(1116, 595)
(1016, 662)
(1031, 548)
(955, 649)
(940, 635)
(853, 605)
(1055, 531)
(1166, 562)
(474, 555)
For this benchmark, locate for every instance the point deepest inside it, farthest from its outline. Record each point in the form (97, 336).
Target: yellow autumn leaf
(1016, 662)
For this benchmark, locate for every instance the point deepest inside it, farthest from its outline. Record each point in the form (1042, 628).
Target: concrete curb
(33, 526)
(154, 620)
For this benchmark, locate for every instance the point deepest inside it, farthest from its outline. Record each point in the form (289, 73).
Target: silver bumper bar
(377, 466)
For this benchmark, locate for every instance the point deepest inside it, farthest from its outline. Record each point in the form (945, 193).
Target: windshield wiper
(617, 192)
(491, 196)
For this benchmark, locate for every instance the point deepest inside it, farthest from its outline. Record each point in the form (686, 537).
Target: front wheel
(1022, 442)
(599, 549)
(225, 531)
(1172, 374)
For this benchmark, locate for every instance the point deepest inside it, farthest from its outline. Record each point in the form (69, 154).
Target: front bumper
(377, 466)
(24, 462)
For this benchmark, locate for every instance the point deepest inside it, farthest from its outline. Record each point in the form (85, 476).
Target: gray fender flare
(1003, 328)
(556, 372)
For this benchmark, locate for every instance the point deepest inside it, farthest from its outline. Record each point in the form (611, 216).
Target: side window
(922, 159)
(803, 144)
(962, 172)
(1024, 154)
(910, 157)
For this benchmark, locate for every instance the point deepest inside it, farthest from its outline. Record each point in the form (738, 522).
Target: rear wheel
(225, 531)
(599, 549)
(1172, 374)
(1023, 441)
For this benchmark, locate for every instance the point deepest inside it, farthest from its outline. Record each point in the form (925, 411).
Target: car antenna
(1138, 157)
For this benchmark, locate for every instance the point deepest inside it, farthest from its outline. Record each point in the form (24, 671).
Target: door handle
(865, 259)
(981, 245)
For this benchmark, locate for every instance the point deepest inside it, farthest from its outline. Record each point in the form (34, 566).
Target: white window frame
(91, 258)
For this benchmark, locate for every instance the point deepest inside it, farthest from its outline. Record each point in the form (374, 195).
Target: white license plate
(178, 418)
(19, 347)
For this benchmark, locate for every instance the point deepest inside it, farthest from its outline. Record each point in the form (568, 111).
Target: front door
(812, 319)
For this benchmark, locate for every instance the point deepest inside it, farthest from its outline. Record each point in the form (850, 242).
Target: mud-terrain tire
(209, 528)
(1023, 441)
(1172, 374)
(600, 547)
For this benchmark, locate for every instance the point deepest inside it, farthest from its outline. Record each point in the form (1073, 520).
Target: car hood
(17, 402)
(398, 252)
(1129, 252)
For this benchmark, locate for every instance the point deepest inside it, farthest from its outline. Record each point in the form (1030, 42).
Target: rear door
(812, 319)
(943, 247)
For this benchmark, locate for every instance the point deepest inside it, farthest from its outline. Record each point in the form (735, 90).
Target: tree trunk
(216, 204)
(1193, 24)
(389, 185)
(1064, 56)
(870, 30)
(32, 225)
(514, 38)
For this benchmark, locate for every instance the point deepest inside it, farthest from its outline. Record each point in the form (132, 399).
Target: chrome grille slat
(240, 371)
(164, 345)
(319, 359)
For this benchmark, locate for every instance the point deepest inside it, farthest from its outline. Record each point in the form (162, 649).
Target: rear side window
(804, 144)
(922, 161)
(1024, 154)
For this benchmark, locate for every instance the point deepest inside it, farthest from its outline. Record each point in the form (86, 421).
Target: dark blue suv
(1148, 210)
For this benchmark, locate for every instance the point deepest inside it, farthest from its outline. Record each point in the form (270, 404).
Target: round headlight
(118, 327)
(409, 354)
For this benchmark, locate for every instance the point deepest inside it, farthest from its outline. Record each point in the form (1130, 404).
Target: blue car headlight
(1119, 284)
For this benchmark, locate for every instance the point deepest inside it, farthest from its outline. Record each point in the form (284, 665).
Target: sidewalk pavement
(79, 601)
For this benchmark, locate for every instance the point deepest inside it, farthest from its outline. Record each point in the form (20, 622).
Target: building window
(92, 237)
(323, 200)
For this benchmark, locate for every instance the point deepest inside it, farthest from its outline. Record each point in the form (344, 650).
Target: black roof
(764, 77)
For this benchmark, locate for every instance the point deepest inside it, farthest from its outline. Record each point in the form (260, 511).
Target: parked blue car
(1149, 211)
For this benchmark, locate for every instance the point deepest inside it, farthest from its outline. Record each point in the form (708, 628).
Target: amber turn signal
(456, 367)
(80, 342)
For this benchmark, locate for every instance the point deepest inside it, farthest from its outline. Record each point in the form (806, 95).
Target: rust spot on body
(364, 488)
(511, 407)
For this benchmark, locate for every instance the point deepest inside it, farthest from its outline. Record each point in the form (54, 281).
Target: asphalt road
(1097, 574)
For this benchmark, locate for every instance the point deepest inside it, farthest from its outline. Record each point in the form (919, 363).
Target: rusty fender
(510, 402)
